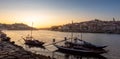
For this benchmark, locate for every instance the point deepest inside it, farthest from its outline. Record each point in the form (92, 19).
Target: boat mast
(31, 29)
(81, 35)
(72, 31)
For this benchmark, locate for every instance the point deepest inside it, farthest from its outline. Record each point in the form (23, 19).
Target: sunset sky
(45, 13)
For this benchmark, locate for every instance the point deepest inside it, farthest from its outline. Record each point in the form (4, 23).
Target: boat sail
(73, 46)
(32, 42)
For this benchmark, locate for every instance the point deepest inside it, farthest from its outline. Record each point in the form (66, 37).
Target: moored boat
(30, 41)
(79, 49)
(79, 42)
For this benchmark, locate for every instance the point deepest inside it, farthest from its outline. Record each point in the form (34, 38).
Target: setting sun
(30, 20)
(38, 21)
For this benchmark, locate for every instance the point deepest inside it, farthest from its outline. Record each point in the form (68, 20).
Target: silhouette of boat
(31, 42)
(79, 49)
(79, 42)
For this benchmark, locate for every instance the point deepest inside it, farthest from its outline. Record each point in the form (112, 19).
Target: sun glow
(39, 22)
(30, 20)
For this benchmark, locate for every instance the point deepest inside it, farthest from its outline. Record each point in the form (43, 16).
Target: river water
(112, 40)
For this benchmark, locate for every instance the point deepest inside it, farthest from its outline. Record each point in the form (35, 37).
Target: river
(112, 40)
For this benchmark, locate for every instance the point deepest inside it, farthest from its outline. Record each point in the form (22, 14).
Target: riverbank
(93, 26)
(9, 50)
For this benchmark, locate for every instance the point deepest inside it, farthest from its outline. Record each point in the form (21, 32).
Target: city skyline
(46, 13)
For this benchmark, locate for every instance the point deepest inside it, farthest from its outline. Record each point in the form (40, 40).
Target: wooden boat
(75, 46)
(79, 50)
(30, 41)
(85, 44)
(33, 42)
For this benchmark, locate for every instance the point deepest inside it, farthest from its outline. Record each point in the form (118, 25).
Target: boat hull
(33, 43)
(88, 45)
(76, 51)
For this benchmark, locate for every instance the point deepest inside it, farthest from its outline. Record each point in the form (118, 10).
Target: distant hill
(16, 26)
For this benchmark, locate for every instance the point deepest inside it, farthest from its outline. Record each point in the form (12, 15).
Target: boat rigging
(32, 42)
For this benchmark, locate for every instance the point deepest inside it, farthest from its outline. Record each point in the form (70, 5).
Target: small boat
(31, 42)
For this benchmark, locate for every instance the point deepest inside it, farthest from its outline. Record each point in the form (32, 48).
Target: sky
(46, 13)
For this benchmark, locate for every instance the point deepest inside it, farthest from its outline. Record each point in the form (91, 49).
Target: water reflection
(67, 55)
